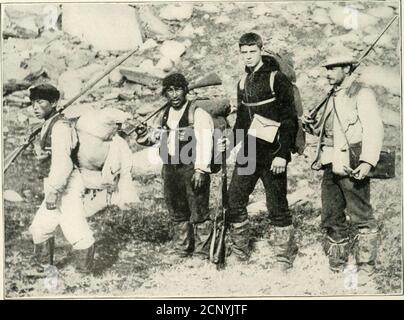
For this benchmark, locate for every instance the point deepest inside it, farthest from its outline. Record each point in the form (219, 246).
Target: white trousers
(70, 214)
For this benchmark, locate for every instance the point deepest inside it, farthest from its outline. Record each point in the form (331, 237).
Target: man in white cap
(350, 118)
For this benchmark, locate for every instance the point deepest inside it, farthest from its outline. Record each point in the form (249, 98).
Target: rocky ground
(132, 258)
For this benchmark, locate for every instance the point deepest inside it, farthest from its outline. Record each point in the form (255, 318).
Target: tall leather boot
(183, 240)
(365, 251)
(202, 236)
(337, 252)
(43, 255)
(285, 247)
(239, 236)
(84, 259)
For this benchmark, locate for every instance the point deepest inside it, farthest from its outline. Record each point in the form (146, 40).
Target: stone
(187, 32)
(386, 77)
(350, 37)
(12, 196)
(153, 23)
(391, 117)
(187, 43)
(350, 18)
(381, 12)
(148, 44)
(210, 7)
(22, 118)
(320, 16)
(55, 66)
(115, 76)
(70, 83)
(25, 28)
(172, 49)
(58, 48)
(143, 76)
(223, 19)
(261, 10)
(180, 11)
(165, 64)
(112, 27)
(79, 59)
(12, 68)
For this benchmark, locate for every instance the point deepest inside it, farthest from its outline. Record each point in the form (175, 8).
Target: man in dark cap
(186, 150)
(349, 118)
(63, 203)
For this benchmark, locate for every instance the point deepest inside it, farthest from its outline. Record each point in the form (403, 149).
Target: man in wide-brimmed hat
(349, 119)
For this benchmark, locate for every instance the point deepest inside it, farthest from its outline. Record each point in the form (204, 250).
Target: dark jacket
(256, 89)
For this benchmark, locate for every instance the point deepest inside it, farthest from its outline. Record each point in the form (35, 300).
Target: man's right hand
(307, 119)
(222, 144)
(51, 200)
(141, 129)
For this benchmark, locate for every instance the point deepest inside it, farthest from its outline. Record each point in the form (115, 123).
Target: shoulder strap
(272, 80)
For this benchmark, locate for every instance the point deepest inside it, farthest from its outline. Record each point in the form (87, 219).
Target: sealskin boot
(365, 251)
(337, 252)
(43, 255)
(84, 260)
(285, 247)
(239, 235)
(202, 236)
(183, 238)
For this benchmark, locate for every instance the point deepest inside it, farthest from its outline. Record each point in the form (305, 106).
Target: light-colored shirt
(63, 142)
(203, 128)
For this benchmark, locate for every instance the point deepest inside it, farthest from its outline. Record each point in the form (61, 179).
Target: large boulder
(173, 50)
(178, 11)
(105, 26)
(386, 77)
(351, 18)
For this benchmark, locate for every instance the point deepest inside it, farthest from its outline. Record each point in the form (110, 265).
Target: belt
(260, 103)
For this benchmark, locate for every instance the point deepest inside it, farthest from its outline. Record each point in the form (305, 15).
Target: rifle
(313, 112)
(212, 79)
(218, 252)
(31, 137)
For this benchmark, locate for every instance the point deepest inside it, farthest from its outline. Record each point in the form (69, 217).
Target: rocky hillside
(43, 43)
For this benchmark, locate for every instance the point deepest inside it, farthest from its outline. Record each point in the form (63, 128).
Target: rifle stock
(212, 79)
(219, 255)
(31, 137)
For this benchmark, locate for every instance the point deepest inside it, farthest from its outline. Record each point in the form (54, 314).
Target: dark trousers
(182, 202)
(241, 186)
(340, 193)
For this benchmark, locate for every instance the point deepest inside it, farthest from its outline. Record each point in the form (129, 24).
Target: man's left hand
(199, 180)
(362, 171)
(278, 165)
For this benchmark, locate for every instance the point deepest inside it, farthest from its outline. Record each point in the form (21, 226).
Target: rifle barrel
(377, 39)
(314, 111)
(36, 130)
(99, 78)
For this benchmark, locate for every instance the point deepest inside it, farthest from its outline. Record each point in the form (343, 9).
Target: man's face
(251, 55)
(176, 96)
(336, 74)
(42, 108)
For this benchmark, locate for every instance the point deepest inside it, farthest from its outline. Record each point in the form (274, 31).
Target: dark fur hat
(175, 80)
(44, 91)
